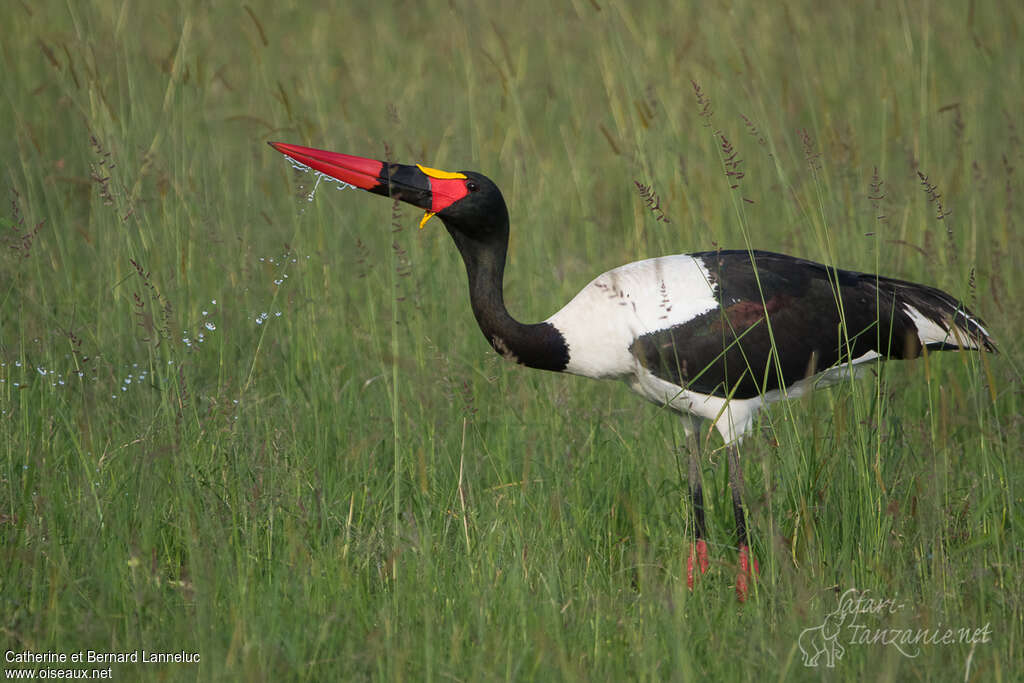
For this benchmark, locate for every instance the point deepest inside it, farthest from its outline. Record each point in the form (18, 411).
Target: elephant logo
(823, 640)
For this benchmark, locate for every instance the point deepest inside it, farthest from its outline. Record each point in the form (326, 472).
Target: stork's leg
(699, 548)
(736, 484)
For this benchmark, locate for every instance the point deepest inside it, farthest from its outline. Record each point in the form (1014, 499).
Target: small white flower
(213, 302)
(211, 326)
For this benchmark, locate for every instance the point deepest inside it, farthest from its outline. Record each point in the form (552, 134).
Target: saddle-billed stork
(714, 335)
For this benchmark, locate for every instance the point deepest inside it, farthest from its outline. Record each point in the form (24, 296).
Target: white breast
(603, 320)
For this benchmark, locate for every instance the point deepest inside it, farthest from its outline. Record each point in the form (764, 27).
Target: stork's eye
(472, 186)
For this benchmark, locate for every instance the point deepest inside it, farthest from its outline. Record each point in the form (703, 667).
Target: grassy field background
(238, 423)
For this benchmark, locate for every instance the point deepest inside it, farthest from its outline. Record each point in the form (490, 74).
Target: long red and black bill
(427, 188)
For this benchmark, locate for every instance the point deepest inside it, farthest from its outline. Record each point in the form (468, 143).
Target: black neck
(537, 346)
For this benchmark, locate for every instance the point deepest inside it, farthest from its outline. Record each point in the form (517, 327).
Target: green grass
(358, 487)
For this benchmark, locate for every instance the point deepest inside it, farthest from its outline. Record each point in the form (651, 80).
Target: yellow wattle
(440, 175)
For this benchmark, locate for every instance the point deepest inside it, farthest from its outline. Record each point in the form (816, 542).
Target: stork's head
(469, 204)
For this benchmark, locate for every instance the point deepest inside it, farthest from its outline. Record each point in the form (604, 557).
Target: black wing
(818, 316)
